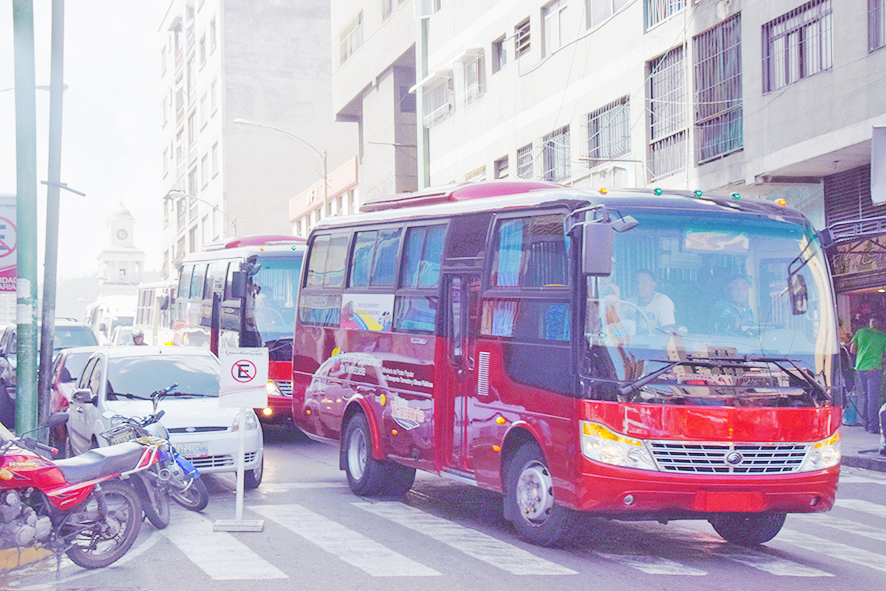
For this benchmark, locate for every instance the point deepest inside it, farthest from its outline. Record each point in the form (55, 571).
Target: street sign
(8, 243)
(244, 377)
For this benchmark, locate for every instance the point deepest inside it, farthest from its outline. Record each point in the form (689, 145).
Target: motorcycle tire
(158, 511)
(108, 540)
(194, 499)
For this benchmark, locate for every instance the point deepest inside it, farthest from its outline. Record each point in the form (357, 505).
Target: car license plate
(193, 450)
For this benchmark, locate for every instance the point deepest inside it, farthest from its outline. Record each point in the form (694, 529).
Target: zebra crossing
(676, 549)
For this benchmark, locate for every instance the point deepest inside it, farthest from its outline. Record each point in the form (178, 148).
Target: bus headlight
(602, 445)
(824, 454)
(273, 389)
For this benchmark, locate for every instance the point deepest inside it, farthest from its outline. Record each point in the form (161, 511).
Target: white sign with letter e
(244, 377)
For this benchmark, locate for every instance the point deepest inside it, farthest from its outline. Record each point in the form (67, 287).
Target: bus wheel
(366, 475)
(529, 499)
(747, 529)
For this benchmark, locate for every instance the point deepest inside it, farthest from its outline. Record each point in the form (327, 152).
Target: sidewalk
(856, 441)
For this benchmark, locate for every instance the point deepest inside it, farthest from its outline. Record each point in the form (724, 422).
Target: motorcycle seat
(102, 461)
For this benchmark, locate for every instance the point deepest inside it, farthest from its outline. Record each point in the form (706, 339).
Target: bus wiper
(801, 372)
(645, 379)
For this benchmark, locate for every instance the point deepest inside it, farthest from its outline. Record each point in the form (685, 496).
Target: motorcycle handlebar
(31, 443)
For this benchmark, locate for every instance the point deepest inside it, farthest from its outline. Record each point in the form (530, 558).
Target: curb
(874, 462)
(19, 557)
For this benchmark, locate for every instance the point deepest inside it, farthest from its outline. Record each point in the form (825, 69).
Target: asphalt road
(444, 536)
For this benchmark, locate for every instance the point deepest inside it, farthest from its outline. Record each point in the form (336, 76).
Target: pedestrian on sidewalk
(869, 346)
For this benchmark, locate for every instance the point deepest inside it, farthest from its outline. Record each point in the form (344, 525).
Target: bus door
(462, 324)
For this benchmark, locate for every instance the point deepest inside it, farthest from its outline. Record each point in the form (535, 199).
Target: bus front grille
(285, 387)
(728, 458)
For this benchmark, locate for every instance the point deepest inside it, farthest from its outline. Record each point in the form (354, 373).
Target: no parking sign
(244, 377)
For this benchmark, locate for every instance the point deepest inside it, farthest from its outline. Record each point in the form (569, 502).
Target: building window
(206, 230)
(521, 39)
(797, 45)
(407, 100)
(474, 79)
(499, 54)
(212, 40)
(339, 205)
(608, 132)
(351, 38)
(554, 16)
(213, 104)
(876, 24)
(666, 100)
(387, 8)
(438, 101)
(352, 201)
(192, 240)
(202, 51)
(163, 112)
(599, 11)
(501, 168)
(203, 101)
(192, 82)
(179, 153)
(163, 61)
(215, 159)
(192, 191)
(524, 162)
(718, 93)
(204, 170)
(218, 223)
(657, 11)
(555, 150)
(192, 137)
(181, 214)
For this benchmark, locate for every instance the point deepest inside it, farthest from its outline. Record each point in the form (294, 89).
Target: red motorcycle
(81, 506)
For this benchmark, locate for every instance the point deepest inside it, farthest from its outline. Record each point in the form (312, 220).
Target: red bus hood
(706, 423)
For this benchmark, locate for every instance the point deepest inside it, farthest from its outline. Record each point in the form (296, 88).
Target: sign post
(244, 378)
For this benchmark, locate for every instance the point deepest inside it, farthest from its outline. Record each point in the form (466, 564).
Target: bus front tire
(529, 499)
(747, 529)
(366, 475)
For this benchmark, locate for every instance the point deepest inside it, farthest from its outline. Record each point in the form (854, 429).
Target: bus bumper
(626, 492)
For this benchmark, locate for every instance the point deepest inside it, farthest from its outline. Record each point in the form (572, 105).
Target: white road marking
(863, 506)
(653, 565)
(852, 527)
(473, 543)
(853, 479)
(276, 487)
(767, 563)
(837, 550)
(219, 554)
(346, 544)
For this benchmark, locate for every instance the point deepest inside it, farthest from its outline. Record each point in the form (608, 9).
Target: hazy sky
(111, 132)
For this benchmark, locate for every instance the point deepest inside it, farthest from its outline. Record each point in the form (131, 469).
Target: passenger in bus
(654, 309)
(733, 313)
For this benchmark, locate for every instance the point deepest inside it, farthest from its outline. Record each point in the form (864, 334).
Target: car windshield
(710, 287)
(140, 376)
(73, 336)
(272, 297)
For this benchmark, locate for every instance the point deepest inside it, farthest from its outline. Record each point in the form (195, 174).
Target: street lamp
(174, 195)
(305, 145)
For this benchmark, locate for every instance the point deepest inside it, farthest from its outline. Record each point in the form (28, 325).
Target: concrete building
(263, 62)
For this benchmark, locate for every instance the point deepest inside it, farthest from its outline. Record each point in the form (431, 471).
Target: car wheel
(252, 478)
(529, 499)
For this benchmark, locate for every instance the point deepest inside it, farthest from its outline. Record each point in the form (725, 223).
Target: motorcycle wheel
(109, 539)
(194, 499)
(158, 511)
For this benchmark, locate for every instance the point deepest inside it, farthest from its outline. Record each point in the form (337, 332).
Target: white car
(121, 379)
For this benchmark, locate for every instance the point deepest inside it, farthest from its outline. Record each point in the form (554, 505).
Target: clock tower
(120, 263)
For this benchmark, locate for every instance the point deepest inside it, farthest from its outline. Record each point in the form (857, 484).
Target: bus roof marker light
(781, 202)
(603, 191)
(736, 196)
(697, 193)
(658, 191)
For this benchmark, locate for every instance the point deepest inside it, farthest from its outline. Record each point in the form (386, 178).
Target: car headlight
(273, 389)
(824, 454)
(602, 445)
(251, 421)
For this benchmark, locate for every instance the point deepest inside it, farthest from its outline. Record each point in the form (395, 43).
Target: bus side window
(198, 279)
(184, 282)
(211, 270)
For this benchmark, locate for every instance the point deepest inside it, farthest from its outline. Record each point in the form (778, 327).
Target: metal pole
(56, 90)
(26, 213)
(423, 137)
(325, 187)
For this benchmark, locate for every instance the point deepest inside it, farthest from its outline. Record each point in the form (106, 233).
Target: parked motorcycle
(174, 475)
(80, 506)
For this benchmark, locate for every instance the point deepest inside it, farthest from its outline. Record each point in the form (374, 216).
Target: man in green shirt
(869, 346)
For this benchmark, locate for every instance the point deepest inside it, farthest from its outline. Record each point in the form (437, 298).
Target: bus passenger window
(415, 313)
(197, 280)
(384, 266)
(184, 282)
(317, 263)
(531, 252)
(421, 256)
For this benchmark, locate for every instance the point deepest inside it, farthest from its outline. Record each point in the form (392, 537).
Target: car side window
(83, 382)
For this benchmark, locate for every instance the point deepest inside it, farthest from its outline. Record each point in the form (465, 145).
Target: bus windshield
(709, 287)
(272, 296)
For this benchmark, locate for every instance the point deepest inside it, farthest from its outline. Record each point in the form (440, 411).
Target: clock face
(122, 234)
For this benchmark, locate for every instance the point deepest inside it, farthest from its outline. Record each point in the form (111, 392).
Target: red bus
(254, 281)
(636, 354)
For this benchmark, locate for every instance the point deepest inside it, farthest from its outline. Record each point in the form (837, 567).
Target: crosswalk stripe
(288, 486)
(853, 479)
(773, 565)
(473, 543)
(219, 554)
(852, 527)
(845, 552)
(863, 506)
(350, 546)
(653, 565)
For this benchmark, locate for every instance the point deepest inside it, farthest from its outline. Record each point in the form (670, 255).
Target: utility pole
(53, 185)
(26, 214)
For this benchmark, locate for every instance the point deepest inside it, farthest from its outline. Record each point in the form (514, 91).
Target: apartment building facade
(265, 63)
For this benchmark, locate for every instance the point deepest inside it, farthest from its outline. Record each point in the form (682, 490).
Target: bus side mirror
(799, 297)
(596, 249)
(238, 284)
